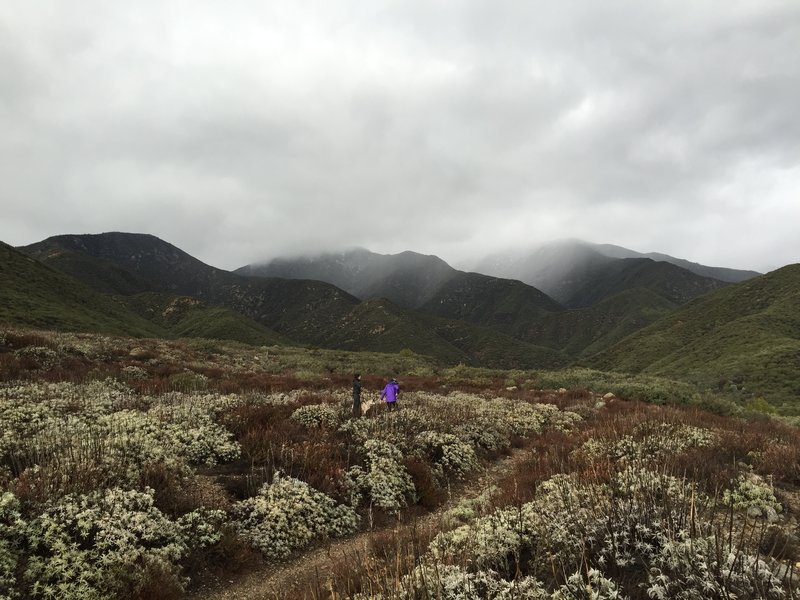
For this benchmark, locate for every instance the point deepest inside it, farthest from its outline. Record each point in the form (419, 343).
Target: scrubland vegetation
(141, 468)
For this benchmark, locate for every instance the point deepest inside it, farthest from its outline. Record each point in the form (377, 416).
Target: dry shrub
(308, 398)
(781, 462)
(50, 481)
(10, 368)
(154, 583)
(711, 467)
(230, 556)
(70, 369)
(577, 394)
(256, 382)
(547, 455)
(166, 370)
(16, 341)
(780, 544)
(429, 493)
(178, 492)
(271, 440)
(401, 546)
(153, 386)
(213, 373)
(28, 363)
(378, 566)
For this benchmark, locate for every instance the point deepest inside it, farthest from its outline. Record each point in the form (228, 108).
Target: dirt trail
(273, 581)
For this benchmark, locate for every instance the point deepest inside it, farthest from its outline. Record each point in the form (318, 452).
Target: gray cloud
(457, 128)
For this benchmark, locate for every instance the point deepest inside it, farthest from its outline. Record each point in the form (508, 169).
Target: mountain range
(607, 307)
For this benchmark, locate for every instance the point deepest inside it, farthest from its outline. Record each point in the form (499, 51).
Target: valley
(172, 430)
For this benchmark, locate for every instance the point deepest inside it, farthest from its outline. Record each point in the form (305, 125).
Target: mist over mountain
(408, 278)
(122, 282)
(609, 297)
(565, 269)
(720, 273)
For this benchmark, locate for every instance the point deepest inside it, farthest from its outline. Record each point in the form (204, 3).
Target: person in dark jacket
(390, 392)
(357, 395)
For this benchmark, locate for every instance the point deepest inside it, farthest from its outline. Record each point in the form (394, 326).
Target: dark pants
(356, 406)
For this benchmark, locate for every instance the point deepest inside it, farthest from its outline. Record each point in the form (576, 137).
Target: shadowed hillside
(674, 284)
(36, 295)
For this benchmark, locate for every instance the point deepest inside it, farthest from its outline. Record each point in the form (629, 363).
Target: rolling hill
(298, 309)
(674, 284)
(36, 295)
(627, 314)
(746, 335)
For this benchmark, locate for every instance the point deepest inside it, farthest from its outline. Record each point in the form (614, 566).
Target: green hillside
(675, 284)
(102, 275)
(34, 295)
(504, 304)
(183, 316)
(745, 337)
(586, 331)
(487, 347)
(300, 310)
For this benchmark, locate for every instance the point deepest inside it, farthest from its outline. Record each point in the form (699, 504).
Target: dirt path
(276, 580)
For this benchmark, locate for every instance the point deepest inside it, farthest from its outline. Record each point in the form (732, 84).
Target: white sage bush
(650, 441)
(97, 545)
(454, 582)
(81, 428)
(752, 494)
(318, 415)
(12, 532)
(46, 358)
(288, 514)
(385, 482)
(590, 585)
(468, 509)
(687, 568)
(449, 455)
(491, 541)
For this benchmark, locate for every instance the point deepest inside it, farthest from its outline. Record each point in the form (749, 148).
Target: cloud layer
(457, 127)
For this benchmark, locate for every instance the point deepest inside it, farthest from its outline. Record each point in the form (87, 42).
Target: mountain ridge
(622, 320)
(562, 267)
(308, 312)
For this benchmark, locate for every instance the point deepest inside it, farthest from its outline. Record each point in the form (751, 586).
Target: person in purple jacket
(390, 392)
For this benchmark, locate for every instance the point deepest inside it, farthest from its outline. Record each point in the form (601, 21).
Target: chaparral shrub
(103, 544)
(288, 514)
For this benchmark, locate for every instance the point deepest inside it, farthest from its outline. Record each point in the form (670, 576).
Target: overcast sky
(243, 130)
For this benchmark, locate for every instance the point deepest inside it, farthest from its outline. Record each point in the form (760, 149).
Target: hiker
(390, 392)
(356, 395)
